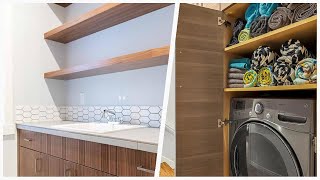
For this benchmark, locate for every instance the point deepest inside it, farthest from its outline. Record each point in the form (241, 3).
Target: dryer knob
(258, 108)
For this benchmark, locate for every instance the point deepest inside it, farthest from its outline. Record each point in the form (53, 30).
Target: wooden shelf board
(305, 31)
(236, 10)
(99, 19)
(63, 4)
(143, 59)
(274, 88)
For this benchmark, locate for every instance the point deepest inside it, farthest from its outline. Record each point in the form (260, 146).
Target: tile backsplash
(142, 115)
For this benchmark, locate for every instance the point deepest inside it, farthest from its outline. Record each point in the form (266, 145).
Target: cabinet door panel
(199, 92)
(146, 163)
(32, 163)
(93, 154)
(71, 169)
(55, 166)
(109, 159)
(126, 162)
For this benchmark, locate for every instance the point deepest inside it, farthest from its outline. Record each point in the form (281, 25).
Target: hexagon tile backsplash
(142, 115)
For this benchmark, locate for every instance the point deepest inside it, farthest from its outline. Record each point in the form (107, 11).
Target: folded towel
(250, 78)
(295, 51)
(265, 77)
(263, 57)
(241, 63)
(235, 85)
(266, 9)
(291, 6)
(306, 71)
(235, 81)
(237, 27)
(251, 14)
(304, 11)
(236, 70)
(283, 71)
(259, 26)
(235, 75)
(244, 35)
(281, 17)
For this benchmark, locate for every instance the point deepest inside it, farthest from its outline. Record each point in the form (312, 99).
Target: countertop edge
(137, 145)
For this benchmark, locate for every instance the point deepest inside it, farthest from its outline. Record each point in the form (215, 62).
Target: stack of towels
(237, 69)
(261, 18)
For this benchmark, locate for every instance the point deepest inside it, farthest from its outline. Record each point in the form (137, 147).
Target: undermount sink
(96, 127)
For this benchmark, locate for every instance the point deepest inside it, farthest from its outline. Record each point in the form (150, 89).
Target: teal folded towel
(251, 14)
(266, 9)
(241, 63)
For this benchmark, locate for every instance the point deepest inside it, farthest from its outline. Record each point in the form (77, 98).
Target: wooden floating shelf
(274, 88)
(305, 31)
(144, 59)
(99, 19)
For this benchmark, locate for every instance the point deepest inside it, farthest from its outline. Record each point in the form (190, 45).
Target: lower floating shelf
(274, 88)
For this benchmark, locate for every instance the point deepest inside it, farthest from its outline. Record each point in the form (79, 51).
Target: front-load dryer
(272, 137)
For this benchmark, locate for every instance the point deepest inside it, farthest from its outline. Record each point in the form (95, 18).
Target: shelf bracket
(223, 21)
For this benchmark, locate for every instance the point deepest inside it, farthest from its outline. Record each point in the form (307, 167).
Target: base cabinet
(72, 157)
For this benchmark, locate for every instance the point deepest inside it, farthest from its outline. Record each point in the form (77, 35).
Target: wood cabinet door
(126, 162)
(71, 169)
(199, 92)
(56, 146)
(32, 163)
(146, 163)
(93, 155)
(55, 166)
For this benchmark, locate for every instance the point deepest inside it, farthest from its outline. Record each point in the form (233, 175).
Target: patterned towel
(237, 27)
(280, 18)
(251, 14)
(265, 77)
(266, 9)
(304, 11)
(306, 71)
(283, 71)
(250, 78)
(259, 26)
(295, 50)
(263, 57)
(244, 35)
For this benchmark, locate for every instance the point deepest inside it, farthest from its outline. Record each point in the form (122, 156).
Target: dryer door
(259, 150)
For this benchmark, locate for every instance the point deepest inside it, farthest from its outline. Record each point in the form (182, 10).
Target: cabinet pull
(67, 172)
(36, 165)
(140, 168)
(28, 140)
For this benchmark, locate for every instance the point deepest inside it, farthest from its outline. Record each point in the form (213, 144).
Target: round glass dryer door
(259, 150)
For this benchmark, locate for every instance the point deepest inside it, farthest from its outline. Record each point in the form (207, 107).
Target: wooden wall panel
(199, 92)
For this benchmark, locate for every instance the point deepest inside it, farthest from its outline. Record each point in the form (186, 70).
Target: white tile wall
(141, 115)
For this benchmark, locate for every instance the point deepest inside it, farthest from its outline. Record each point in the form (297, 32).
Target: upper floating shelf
(305, 31)
(99, 19)
(143, 59)
(274, 88)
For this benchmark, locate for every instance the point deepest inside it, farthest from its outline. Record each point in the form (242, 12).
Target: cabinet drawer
(33, 140)
(146, 163)
(56, 146)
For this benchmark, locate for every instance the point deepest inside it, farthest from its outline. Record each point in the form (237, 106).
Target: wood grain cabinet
(48, 155)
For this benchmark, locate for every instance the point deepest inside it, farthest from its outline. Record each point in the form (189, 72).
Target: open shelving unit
(99, 19)
(274, 88)
(143, 59)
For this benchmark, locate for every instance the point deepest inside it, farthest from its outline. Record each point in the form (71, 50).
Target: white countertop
(144, 138)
